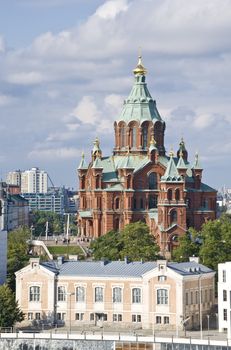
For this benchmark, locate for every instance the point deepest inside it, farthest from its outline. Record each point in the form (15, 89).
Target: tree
(216, 246)
(189, 245)
(134, 242)
(55, 223)
(10, 312)
(17, 256)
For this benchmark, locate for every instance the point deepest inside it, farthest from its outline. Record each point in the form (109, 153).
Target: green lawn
(59, 250)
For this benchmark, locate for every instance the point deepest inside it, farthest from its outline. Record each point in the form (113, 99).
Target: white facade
(224, 297)
(34, 181)
(3, 256)
(14, 178)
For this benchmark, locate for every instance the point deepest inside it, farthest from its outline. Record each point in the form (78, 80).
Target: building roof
(139, 106)
(119, 268)
(171, 172)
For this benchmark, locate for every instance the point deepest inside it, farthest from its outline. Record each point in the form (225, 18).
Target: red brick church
(139, 182)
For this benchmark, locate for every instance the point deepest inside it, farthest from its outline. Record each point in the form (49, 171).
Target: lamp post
(208, 323)
(70, 295)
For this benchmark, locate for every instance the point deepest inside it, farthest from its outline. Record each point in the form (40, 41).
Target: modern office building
(140, 182)
(152, 295)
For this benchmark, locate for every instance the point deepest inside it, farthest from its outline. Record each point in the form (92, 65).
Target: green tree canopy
(9, 309)
(188, 246)
(17, 256)
(55, 222)
(216, 238)
(134, 242)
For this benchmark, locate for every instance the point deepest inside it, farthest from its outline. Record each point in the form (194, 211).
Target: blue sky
(66, 66)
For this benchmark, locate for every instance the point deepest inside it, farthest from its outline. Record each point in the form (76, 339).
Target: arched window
(177, 194)
(117, 203)
(173, 216)
(136, 295)
(117, 295)
(99, 294)
(152, 181)
(83, 182)
(80, 294)
(153, 201)
(133, 140)
(34, 293)
(145, 136)
(134, 203)
(61, 293)
(141, 203)
(129, 181)
(162, 296)
(123, 136)
(169, 194)
(97, 182)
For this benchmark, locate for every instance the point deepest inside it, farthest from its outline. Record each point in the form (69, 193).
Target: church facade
(139, 181)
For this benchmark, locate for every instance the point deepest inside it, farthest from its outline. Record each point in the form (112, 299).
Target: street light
(70, 295)
(208, 323)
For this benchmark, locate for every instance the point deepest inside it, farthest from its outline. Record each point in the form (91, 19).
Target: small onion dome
(140, 69)
(152, 144)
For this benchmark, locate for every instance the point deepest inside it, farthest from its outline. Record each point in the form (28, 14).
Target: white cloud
(87, 111)
(55, 154)
(2, 45)
(110, 9)
(203, 121)
(5, 100)
(26, 78)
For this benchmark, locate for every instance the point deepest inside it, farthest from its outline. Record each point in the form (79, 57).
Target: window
(61, 316)
(173, 216)
(169, 194)
(92, 317)
(162, 296)
(61, 293)
(123, 136)
(197, 295)
(206, 296)
(98, 294)
(117, 295)
(145, 136)
(224, 295)
(152, 181)
(211, 295)
(177, 194)
(79, 316)
(166, 320)
(136, 295)
(80, 294)
(223, 276)
(30, 316)
(136, 318)
(153, 201)
(133, 141)
(37, 316)
(34, 293)
(141, 203)
(191, 297)
(117, 318)
(162, 278)
(225, 314)
(158, 319)
(134, 203)
(186, 298)
(117, 203)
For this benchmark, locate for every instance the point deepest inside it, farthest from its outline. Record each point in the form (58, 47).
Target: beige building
(133, 294)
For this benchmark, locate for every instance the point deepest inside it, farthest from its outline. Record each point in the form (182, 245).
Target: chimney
(194, 259)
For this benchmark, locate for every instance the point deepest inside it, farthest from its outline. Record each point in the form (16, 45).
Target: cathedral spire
(96, 151)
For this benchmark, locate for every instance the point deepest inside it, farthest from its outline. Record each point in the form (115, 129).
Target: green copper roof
(181, 163)
(82, 164)
(171, 172)
(197, 164)
(97, 164)
(139, 106)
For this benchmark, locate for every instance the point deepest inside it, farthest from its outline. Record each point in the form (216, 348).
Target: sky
(66, 67)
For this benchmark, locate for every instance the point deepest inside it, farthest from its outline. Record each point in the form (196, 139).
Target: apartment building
(224, 297)
(151, 295)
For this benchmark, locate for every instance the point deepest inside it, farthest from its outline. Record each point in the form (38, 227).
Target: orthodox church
(139, 181)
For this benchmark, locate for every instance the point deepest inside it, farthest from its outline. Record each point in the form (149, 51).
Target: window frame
(34, 293)
(162, 296)
(136, 295)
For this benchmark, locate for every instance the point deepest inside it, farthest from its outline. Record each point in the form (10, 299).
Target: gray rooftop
(119, 268)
